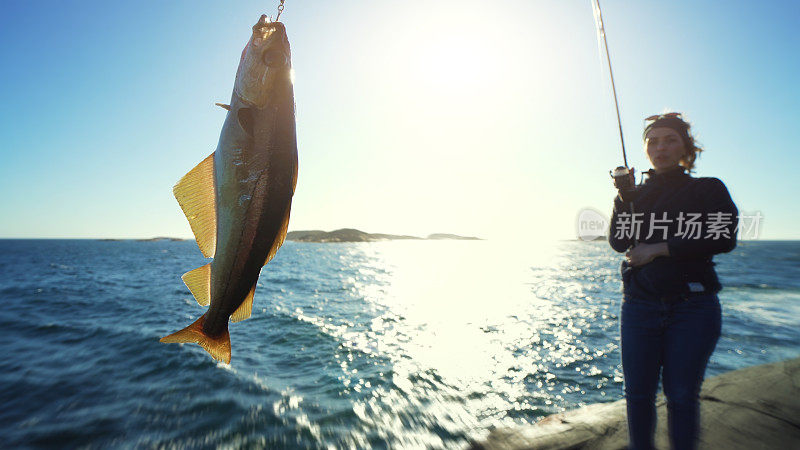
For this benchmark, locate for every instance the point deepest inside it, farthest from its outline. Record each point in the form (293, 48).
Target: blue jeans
(677, 338)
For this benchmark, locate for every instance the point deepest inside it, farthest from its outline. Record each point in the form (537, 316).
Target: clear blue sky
(481, 118)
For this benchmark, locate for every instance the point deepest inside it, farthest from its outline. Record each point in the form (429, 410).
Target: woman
(671, 226)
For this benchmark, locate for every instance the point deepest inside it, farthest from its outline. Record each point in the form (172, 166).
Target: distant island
(159, 239)
(353, 235)
(155, 239)
(342, 235)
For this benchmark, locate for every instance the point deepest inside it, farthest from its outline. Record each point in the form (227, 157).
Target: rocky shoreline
(755, 407)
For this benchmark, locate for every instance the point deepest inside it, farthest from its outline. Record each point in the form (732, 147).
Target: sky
(491, 119)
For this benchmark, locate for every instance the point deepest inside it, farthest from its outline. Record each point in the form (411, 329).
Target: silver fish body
(251, 176)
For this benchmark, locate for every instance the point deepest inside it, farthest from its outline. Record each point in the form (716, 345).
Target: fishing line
(280, 10)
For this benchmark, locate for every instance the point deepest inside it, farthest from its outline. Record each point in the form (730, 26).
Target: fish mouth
(264, 30)
(269, 37)
(265, 63)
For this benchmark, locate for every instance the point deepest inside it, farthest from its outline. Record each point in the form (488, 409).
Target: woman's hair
(675, 122)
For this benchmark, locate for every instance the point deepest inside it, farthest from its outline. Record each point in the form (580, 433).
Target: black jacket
(689, 270)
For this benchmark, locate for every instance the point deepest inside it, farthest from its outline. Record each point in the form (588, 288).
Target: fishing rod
(601, 32)
(622, 175)
(624, 178)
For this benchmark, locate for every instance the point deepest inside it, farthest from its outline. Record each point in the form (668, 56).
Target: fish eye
(274, 58)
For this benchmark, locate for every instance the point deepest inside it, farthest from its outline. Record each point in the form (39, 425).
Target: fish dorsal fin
(195, 194)
(199, 282)
(280, 237)
(246, 308)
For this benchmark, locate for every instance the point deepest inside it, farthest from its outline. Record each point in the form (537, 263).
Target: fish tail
(218, 347)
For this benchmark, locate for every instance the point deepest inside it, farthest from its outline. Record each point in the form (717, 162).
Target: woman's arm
(619, 242)
(720, 217)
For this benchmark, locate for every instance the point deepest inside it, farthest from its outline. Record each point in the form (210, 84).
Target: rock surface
(753, 408)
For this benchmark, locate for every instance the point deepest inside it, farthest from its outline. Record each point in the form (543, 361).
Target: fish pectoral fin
(223, 106)
(280, 237)
(199, 282)
(246, 308)
(195, 193)
(218, 347)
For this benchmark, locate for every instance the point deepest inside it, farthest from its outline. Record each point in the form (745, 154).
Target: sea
(396, 344)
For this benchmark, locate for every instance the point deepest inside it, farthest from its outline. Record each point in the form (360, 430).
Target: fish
(238, 199)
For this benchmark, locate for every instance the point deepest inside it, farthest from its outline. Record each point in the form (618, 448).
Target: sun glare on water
(463, 318)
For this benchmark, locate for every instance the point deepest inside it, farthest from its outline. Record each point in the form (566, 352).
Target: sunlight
(456, 61)
(455, 300)
(448, 126)
(453, 56)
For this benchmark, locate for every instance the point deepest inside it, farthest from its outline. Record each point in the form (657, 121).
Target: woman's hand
(642, 254)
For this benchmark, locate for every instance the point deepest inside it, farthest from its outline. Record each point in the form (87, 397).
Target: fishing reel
(625, 182)
(624, 178)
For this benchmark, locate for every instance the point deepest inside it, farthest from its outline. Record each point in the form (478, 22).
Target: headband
(674, 123)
